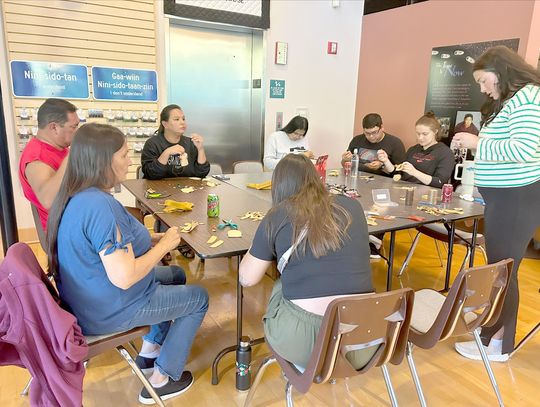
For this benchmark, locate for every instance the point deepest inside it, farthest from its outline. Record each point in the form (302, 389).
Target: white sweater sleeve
(271, 157)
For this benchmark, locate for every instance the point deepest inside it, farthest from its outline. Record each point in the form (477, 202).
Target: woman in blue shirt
(104, 262)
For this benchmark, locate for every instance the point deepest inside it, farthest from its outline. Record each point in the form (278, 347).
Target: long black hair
(296, 123)
(89, 165)
(512, 72)
(164, 117)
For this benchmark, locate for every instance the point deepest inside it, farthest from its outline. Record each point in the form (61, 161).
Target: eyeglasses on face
(372, 133)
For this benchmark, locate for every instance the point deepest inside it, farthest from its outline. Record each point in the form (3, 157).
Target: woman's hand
(465, 140)
(176, 149)
(170, 239)
(198, 140)
(156, 237)
(409, 168)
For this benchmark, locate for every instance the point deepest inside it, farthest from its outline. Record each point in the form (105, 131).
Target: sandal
(165, 260)
(186, 251)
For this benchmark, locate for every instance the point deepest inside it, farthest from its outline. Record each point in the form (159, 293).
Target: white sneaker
(470, 351)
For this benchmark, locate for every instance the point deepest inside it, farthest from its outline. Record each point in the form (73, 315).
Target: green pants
(292, 331)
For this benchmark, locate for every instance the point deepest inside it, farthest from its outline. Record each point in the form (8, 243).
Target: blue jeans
(174, 312)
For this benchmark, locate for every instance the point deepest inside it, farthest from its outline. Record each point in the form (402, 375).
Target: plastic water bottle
(355, 161)
(243, 364)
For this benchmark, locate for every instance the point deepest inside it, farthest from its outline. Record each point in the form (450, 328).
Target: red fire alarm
(332, 47)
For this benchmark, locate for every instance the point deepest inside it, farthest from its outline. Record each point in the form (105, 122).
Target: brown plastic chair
(102, 343)
(439, 232)
(474, 300)
(353, 322)
(246, 167)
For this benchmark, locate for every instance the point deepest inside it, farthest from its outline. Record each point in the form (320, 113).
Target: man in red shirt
(43, 160)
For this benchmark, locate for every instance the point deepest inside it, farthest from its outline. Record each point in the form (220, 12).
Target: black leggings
(511, 217)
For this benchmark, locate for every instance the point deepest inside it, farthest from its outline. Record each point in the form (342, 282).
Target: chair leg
(466, 258)
(414, 373)
(27, 387)
(125, 354)
(409, 255)
(484, 254)
(438, 252)
(288, 394)
(389, 386)
(485, 359)
(267, 361)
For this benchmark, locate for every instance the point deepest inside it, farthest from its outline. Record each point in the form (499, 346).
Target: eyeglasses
(372, 133)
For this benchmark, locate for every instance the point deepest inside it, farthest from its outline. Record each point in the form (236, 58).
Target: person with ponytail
(507, 174)
(321, 244)
(169, 153)
(104, 263)
(429, 162)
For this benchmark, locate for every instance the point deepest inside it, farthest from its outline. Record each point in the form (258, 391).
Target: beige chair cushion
(426, 307)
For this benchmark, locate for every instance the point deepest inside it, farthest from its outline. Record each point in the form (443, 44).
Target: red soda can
(447, 191)
(347, 168)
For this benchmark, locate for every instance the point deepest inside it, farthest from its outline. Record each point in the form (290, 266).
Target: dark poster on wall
(453, 95)
(246, 13)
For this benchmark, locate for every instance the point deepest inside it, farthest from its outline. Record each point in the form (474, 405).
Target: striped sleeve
(523, 142)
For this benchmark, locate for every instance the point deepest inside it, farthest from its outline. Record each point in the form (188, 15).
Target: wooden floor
(448, 379)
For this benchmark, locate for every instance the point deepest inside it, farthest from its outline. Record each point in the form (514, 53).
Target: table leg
(451, 235)
(239, 314)
(390, 260)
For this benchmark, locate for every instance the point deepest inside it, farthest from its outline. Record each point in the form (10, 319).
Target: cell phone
(221, 177)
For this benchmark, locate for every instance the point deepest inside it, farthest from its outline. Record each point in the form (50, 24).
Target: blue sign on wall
(277, 89)
(49, 79)
(124, 84)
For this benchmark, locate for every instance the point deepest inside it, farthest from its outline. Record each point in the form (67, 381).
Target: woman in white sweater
(290, 139)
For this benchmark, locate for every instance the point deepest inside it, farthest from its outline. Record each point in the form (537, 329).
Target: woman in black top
(171, 154)
(330, 258)
(429, 162)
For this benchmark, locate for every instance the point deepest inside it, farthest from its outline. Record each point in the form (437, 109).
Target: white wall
(324, 84)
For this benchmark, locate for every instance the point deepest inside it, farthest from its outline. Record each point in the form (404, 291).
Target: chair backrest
(474, 300)
(215, 169)
(352, 323)
(139, 172)
(40, 232)
(245, 167)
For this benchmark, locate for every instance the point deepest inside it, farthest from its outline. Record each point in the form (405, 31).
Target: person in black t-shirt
(171, 154)
(326, 237)
(429, 162)
(373, 139)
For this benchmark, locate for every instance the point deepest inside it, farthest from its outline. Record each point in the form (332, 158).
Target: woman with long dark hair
(291, 138)
(104, 263)
(321, 244)
(507, 174)
(169, 153)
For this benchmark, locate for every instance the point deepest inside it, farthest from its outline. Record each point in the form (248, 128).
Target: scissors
(228, 223)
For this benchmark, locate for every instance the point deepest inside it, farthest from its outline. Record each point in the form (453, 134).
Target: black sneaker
(171, 389)
(374, 253)
(145, 364)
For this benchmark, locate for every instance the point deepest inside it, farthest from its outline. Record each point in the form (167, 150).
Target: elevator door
(211, 74)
